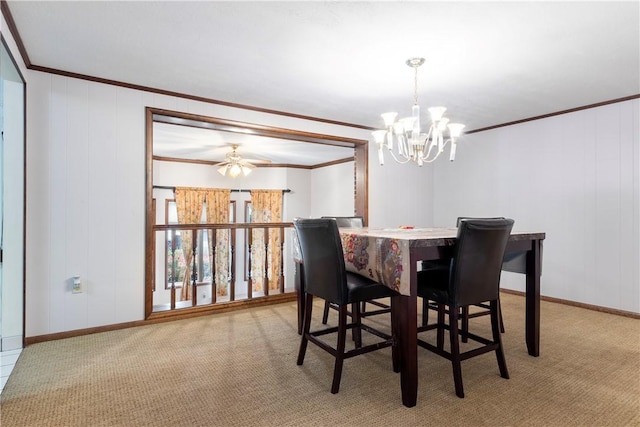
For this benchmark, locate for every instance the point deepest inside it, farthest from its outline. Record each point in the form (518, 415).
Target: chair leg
(355, 319)
(425, 311)
(497, 338)
(305, 329)
(440, 329)
(500, 316)
(342, 337)
(465, 323)
(325, 313)
(455, 351)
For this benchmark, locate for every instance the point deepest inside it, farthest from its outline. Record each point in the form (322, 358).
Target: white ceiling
(490, 63)
(180, 142)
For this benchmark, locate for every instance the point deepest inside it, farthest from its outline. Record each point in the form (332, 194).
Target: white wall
(86, 195)
(299, 182)
(399, 194)
(332, 189)
(575, 177)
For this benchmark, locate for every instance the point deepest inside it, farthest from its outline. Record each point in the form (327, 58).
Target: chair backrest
(464, 218)
(348, 221)
(477, 263)
(322, 259)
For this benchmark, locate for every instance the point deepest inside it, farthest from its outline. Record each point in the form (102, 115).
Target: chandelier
(406, 134)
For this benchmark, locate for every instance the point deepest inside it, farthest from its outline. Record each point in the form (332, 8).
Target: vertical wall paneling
(608, 206)
(572, 176)
(58, 280)
(130, 207)
(75, 171)
(104, 236)
(585, 211)
(38, 241)
(630, 195)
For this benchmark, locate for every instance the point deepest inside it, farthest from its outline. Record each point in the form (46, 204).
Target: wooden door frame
(361, 156)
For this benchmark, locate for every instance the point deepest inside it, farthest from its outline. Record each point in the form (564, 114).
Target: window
(247, 218)
(175, 264)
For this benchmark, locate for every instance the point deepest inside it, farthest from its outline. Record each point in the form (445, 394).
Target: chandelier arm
(430, 143)
(426, 158)
(406, 159)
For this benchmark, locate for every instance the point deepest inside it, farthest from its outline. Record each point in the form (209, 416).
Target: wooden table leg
(405, 316)
(532, 305)
(396, 351)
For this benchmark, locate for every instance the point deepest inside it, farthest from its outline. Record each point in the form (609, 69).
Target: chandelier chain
(415, 86)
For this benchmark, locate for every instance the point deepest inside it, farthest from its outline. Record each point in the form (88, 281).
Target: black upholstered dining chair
(465, 313)
(473, 278)
(355, 222)
(325, 276)
(341, 221)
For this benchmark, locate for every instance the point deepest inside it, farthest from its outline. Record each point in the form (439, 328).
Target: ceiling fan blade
(257, 161)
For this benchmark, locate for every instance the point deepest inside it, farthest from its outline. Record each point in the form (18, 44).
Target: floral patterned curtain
(189, 204)
(266, 206)
(218, 212)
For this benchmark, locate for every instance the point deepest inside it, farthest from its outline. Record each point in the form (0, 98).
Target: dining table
(393, 257)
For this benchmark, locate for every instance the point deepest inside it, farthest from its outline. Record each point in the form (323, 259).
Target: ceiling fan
(234, 164)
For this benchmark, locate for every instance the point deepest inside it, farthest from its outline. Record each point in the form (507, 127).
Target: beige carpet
(239, 369)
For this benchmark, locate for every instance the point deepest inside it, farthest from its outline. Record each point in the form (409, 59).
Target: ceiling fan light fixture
(234, 165)
(234, 170)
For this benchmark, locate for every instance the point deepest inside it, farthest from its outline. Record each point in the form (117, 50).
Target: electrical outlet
(77, 285)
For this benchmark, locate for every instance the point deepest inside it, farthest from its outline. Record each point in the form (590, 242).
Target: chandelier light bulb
(407, 123)
(379, 136)
(442, 124)
(389, 118)
(437, 113)
(455, 130)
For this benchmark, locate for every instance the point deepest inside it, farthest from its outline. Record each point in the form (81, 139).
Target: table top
(384, 254)
(434, 236)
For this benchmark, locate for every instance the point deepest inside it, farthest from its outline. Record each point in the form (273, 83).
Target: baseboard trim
(162, 317)
(276, 299)
(578, 304)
